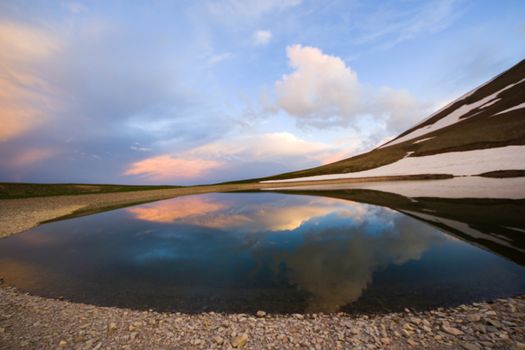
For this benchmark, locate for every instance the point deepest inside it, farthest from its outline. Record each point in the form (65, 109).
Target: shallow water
(276, 252)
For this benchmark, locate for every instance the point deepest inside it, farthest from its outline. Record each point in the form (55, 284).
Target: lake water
(284, 253)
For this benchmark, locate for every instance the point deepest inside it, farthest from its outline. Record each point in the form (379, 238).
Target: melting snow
(451, 118)
(458, 187)
(455, 163)
(520, 106)
(425, 139)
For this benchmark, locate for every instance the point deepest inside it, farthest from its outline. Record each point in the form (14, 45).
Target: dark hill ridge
(490, 116)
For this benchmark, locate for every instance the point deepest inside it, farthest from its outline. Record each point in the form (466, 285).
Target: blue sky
(193, 92)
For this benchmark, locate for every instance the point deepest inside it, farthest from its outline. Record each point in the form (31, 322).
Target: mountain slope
(486, 125)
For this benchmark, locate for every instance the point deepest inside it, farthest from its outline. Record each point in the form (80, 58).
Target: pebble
(260, 314)
(239, 341)
(451, 330)
(24, 324)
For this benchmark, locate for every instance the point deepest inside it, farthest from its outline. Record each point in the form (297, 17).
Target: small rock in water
(239, 341)
(260, 313)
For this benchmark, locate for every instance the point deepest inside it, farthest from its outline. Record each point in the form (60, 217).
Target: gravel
(31, 322)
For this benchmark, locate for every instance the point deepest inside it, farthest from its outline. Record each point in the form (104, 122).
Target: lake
(307, 251)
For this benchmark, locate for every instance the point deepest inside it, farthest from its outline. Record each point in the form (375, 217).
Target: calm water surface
(251, 251)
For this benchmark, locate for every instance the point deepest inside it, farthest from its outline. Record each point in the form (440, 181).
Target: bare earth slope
(490, 117)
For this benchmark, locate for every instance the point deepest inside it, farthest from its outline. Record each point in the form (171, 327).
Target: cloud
(31, 156)
(392, 23)
(248, 10)
(166, 167)
(231, 155)
(322, 91)
(26, 98)
(262, 37)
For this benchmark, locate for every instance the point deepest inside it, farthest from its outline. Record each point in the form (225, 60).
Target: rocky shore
(30, 322)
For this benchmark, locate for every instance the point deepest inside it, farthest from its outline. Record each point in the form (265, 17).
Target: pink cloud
(166, 167)
(32, 156)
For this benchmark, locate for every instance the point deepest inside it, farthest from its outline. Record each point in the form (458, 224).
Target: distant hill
(480, 133)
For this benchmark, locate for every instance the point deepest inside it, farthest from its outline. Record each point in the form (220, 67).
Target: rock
(474, 318)
(427, 329)
(494, 323)
(239, 341)
(519, 346)
(112, 327)
(385, 340)
(451, 330)
(62, 344)
(470, 346)
(412, 342)
(218, 340)
(260, 314)
(298, 316)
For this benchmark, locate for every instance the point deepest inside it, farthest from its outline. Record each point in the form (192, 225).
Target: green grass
(11, 190)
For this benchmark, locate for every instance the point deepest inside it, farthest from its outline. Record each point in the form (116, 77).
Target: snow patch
(451, 118)
(454, 163)
(458, 187)
(425, 139)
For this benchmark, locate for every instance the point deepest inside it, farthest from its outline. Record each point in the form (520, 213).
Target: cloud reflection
(337, 264)
(284, 214)
(333, 247)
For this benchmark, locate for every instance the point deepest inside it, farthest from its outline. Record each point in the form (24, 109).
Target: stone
(62, 344)
(470, 346)
(385, 340)
(451, 330)
(260, 314)
(239, 341)
(218, 340)
(519, 346)
(474, 318)
(112, 327)
(412, 342)
(494, 323)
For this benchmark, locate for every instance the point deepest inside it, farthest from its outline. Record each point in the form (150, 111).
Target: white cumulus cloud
(323, 91)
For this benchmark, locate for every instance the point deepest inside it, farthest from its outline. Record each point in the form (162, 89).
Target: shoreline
(25, 324)
(21, 214)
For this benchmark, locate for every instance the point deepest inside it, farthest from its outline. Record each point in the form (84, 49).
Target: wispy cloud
(167, 167)
(262, 37)
(26, 98)
(247, 10)
(391, 23)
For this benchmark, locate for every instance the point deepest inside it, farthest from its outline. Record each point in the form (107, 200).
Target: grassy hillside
(478, 128)
(25, 190)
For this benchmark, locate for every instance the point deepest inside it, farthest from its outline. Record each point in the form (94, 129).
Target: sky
(191, 92)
